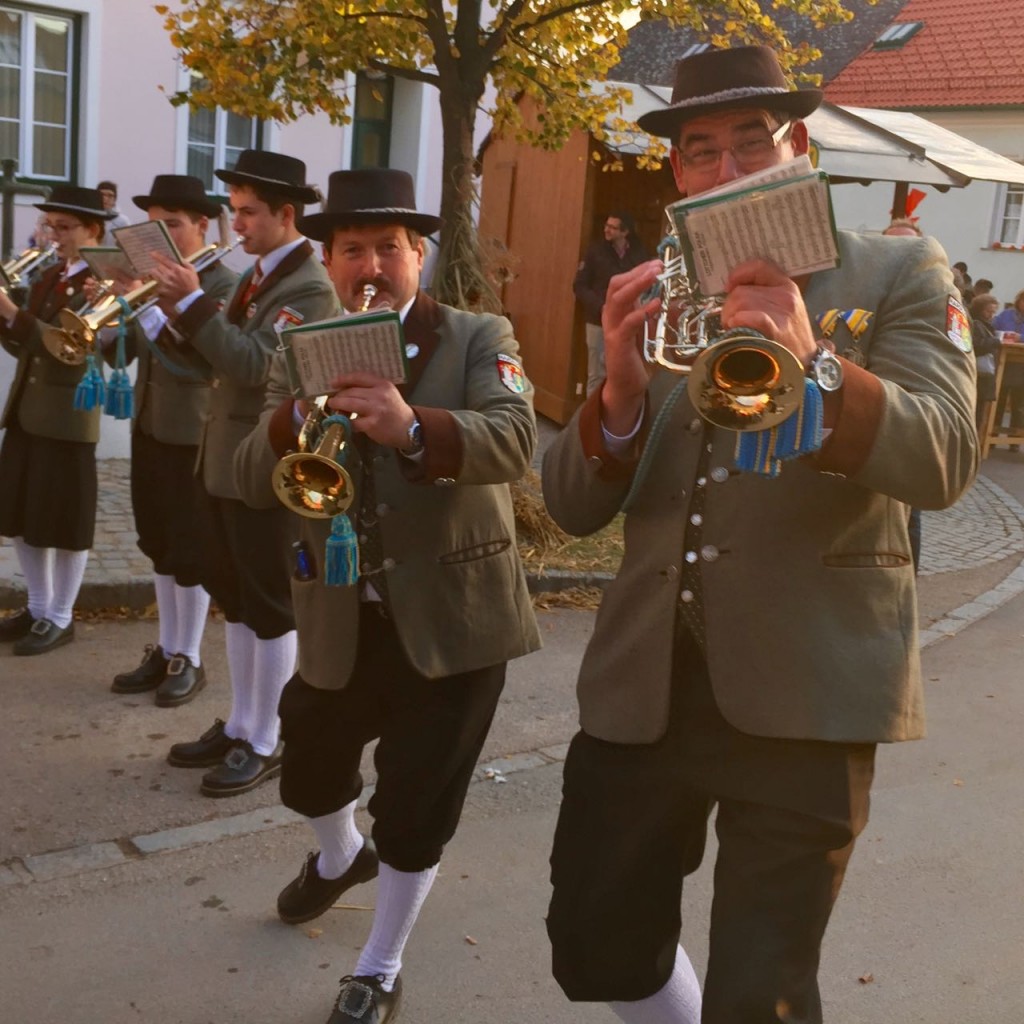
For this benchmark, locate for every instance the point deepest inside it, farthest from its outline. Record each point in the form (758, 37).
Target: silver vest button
(709, 553)
(686, 596)
(696, 519)
(719, 474)
(691, 557)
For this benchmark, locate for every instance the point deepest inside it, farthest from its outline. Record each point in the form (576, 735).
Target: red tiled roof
(968, 54)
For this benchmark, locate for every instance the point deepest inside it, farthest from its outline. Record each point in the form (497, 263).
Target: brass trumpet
(311, 481)
(15, 272)
(738, 379)
(72, 341)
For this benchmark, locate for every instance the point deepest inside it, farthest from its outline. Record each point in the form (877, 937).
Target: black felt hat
(745, 76)
(275, 172)
(82, 202)
(179, 192)
(371, 196)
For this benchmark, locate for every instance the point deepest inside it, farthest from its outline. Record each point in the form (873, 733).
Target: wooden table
(1009, 352)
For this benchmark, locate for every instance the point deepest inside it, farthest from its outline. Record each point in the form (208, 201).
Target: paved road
(127, 897)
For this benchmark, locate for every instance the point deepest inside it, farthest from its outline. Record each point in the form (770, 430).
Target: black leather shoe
(363, 1000)
(309, 895)
(14, 627)
(44, 636)
(243, 769)
(182, 682)
(147, 676)
(205, 752)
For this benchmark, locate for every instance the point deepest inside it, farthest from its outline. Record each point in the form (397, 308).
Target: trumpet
(72, 341)
(15, 272)
(738, 378)
(311, 481)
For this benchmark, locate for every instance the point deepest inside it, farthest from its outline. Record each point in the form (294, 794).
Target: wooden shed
(546, 208)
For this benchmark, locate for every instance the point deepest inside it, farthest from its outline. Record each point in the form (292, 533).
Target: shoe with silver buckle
(181, 683)
(364, 1001)
(242, 769)
(44, 636)
(148, 676)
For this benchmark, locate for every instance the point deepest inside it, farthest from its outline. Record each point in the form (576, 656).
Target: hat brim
(208, 208)
(78, 211)
(300, 193)
(319, 226)
(666, 122)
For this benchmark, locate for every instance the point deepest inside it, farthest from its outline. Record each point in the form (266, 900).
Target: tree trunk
(460, 278)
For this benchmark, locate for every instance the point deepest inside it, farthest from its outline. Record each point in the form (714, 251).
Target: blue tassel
(120, 401)
(90, 390)
(341, 566)
(764, 451)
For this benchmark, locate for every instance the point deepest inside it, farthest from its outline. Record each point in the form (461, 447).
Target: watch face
(829, 373)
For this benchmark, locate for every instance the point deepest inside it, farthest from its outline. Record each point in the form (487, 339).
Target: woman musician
(48, 456)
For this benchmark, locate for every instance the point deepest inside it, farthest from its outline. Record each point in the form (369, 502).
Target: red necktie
(254, 282)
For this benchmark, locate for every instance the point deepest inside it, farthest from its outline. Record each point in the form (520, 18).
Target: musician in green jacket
(47, 439)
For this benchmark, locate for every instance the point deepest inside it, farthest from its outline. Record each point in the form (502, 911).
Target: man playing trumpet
(47, 439)
(246, 556)
(414, 652)
(761, 636)
(171, 404)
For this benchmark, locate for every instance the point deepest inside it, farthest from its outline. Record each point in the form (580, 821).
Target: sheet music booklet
(317, 353)
(783, 213)
(140, 241)
(108, 263)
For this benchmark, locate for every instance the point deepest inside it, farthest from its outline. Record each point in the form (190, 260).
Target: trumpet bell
(313, 485)
(745, 381)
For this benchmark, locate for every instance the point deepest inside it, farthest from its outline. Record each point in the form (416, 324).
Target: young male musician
(414, 653)
(247, 564)
(171, 403)
(47, 439)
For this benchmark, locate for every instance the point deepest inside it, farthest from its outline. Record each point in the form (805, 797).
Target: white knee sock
(37, 568)
(68, 570)
(339, 840)
(191, 606)
(400, 896)
(166, 612)
(241, 649)
(678, 1002)
(275, 665)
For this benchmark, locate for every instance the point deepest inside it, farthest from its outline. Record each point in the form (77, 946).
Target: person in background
(170, 408)
(1011, 394)
(986, 349)
(108, 190)
(48, 484)
(615, 253)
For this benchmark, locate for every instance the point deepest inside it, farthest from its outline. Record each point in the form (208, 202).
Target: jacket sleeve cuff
(861, 401)
(281, 429)
(442, 448)
(196, 315)
(608, 466)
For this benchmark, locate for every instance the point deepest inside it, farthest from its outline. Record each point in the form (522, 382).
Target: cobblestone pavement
(985, 526)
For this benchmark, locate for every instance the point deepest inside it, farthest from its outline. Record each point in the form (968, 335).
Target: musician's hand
(174, 280)
(761, 297)
(624, 319)
(383, 414)
(8, 309)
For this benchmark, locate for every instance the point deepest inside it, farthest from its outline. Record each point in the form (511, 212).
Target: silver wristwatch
(826, 370)
(415, 445)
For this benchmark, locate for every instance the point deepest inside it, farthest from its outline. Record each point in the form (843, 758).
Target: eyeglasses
(62, 228)
(750, 152)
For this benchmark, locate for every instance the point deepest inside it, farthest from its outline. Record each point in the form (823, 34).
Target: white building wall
(961, 219)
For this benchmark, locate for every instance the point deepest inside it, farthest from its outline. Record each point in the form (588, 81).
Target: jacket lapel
(288, 265)
(420, 330)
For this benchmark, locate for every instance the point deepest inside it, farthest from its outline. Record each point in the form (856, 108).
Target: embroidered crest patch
(958, 324)
(510, 371)
(287, 317)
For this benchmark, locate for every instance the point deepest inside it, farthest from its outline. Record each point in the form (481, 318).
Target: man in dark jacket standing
(619, 251)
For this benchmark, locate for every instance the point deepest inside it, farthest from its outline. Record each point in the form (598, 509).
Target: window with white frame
(1009, 225)
(38, 72)
(215, 138)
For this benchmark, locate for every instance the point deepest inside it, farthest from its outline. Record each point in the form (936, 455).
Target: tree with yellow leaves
(280, 59)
